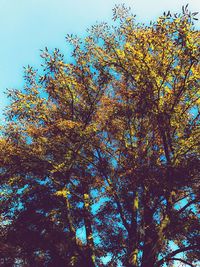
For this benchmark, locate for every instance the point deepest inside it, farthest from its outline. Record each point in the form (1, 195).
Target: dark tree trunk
(149, 257)
(151, 236)
(88, 227)
(133, 235)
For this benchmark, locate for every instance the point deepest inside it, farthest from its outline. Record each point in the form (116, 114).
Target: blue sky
(26, 26)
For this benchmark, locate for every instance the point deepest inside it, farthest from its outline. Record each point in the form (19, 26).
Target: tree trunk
(132, 260)
(149, 257)
(89, 233)
(151, 237)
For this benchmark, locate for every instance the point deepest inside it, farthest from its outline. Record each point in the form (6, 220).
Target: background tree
(108, 143)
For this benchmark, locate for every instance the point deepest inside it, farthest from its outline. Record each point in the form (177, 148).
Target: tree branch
(187, 205)
(181, 260)
(115, 195)
(160, 262)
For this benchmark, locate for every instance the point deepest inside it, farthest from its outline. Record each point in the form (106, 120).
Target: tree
(111, 141)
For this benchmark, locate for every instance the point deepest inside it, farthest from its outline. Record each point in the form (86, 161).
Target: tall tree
(109, 144)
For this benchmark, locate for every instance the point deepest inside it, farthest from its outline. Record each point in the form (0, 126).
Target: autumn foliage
(108, 145)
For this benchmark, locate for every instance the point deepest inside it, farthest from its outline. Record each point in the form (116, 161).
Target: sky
(26, 26)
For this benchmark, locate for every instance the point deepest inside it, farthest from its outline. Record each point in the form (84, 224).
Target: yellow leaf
(64, 192)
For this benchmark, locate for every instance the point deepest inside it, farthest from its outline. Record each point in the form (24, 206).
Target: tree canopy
(107, 144)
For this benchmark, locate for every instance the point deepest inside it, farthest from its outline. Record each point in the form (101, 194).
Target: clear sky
(26, 26)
